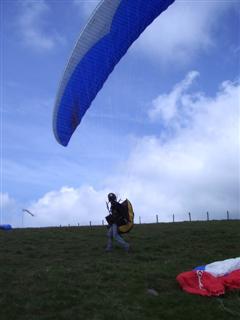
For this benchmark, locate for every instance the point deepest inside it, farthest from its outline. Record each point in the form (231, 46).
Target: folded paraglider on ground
(213, 279)
(5, 227)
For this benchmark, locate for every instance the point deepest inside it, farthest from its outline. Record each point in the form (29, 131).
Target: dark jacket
(119, 213)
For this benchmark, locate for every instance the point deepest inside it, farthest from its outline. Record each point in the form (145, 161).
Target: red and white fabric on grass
(212, 279)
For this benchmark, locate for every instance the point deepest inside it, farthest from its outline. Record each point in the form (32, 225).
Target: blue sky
(163, 131)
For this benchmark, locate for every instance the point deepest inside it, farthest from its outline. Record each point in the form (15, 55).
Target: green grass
(64, 273)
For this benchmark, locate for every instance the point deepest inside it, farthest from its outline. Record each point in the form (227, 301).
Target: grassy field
(64, 273)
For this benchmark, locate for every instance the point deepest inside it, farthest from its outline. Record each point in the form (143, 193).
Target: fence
(139, 219)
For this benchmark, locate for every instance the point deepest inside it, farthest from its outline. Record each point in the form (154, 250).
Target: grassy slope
(64, 273)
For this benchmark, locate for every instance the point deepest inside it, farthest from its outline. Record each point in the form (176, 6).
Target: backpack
(129, 215)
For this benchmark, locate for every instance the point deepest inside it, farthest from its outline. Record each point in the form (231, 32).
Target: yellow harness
(127, 227)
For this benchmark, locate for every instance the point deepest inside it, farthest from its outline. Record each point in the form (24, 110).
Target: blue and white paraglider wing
(112, 28)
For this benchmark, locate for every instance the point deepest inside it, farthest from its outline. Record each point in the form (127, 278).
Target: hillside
(64, 273)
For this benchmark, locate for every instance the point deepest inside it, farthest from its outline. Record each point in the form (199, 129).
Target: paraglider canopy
(112, 28)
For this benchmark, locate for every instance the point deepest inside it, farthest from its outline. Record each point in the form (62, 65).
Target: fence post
(156, 218)
(190, 218)
(139, 220)
(227, 215)
(103, 222)
(173, 218)
(90, 223)
(207, 216)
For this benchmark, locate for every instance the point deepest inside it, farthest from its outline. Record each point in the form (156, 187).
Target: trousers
(113, 234)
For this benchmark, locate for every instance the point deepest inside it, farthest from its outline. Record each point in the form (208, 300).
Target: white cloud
(33, 25)
(195, 165)
(165, 106)
(8, 207)
(70, 206)
(182, 30)
(5, 200)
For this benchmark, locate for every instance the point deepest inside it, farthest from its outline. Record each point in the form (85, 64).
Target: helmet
(112, 197)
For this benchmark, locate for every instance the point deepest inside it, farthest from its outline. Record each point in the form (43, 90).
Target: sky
(164, 131)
